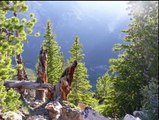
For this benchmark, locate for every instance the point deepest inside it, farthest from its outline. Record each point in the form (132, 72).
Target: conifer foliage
(55, 58)
(80, 84)
(134, 72)
(13, 32)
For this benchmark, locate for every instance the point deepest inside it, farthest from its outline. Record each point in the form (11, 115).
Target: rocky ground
(53, 110)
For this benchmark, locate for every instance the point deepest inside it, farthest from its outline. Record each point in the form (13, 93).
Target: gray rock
(69, 113)
(130, 117)
(37, 117)
(91, 114)
(59, 112)
(10, 115)
(54, 109)
(138, 113)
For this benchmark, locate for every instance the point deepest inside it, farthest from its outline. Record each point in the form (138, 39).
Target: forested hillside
(73, 18)
(60, 87)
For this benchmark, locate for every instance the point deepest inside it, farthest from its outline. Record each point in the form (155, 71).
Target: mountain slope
(97, 25)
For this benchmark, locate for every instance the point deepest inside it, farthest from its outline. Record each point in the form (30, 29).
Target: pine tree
(55, 58)
(12, 38)
(106, 94)
(136, 67)
(80, 84)
(148, 19)
(102, 85)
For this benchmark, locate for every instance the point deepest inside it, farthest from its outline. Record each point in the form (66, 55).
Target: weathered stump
(42, 74)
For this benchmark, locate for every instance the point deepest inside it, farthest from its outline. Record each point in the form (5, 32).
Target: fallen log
(27, 85)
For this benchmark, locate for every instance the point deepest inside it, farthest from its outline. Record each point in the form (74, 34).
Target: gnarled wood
(21, 73)
(42, 67)
(42, 73)
(27, 85)
(58, 92)
(63, 87)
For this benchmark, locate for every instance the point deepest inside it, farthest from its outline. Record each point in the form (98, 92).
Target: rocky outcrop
(63, 112)
(59, 112)
(55, 109)
(68, 113)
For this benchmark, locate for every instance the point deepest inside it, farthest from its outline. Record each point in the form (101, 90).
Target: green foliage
(135, 69)
(150, 101)
(9, 101)
(80, 84)
(37, 34)
(12, 38)
(106, 95)
(150, 93)
(102, 86)
(55, 58)
(20, 66)
(30, 74)
(100, 108)
(67, 103)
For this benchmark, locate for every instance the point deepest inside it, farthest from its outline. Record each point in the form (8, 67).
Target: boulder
(10, 115)
(36, 103)
(91, 114)
(65, 112)
(130, 117)
(37, 117)
(54, 109)
(1, 118)
(68, 113)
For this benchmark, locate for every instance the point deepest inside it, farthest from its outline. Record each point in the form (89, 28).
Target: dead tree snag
(63, 87)
(42, 73)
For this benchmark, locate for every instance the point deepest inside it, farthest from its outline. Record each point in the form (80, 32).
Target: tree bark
(21, 73)
(27, 85)
(63, 87)
(42, 73)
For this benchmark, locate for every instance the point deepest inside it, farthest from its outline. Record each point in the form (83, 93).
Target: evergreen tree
(80, 84)
(136, 67)
(12, 38)
(55, 58)
(149, 47)
(102, 85)
(31, 74)
(106, 94)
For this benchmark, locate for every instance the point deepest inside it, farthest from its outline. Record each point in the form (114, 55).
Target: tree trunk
(63, 87)
(27, 85)
(21, 73)
(42, 73)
